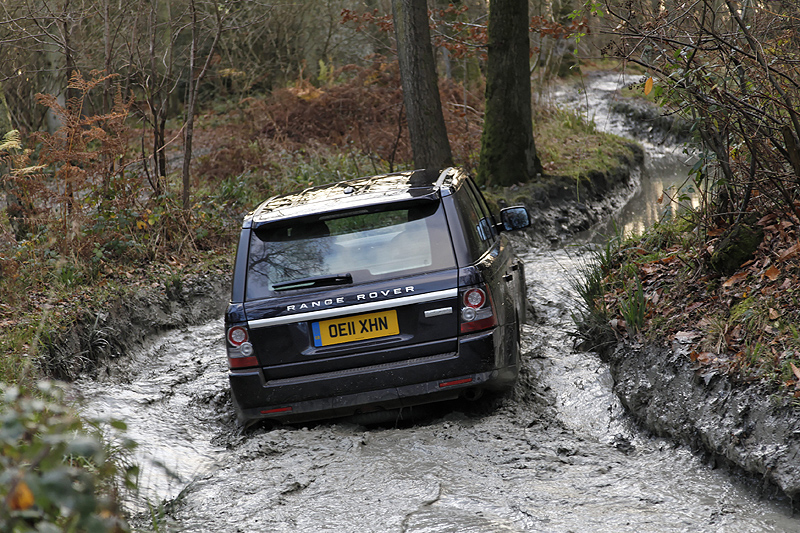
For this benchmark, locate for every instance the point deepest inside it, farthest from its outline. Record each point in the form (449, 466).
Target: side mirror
(515, 218)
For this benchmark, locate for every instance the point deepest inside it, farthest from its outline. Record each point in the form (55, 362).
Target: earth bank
(561, 207)
(113, 332)
(742, 425)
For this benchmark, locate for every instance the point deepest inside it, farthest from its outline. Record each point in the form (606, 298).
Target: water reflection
(664, 191)
(665, 176)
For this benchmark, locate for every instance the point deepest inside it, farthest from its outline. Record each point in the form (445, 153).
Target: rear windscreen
(351, 248)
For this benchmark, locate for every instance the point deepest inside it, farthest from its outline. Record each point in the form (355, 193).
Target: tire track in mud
(558, 454)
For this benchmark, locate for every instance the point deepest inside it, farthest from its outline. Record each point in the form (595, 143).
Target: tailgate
(355, 327)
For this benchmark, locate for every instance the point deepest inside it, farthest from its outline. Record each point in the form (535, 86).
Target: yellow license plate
(355, 328)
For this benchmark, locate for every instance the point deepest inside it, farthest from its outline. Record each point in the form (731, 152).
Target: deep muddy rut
(559, 454)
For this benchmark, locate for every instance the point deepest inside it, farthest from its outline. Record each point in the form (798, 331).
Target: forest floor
(743, 323)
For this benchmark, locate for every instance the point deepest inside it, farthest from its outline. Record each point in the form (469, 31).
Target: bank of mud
(749, 427)
(562, 206)
(123, 324)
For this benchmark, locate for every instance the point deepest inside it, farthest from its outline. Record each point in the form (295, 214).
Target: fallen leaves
(687, 336)
(740, 325)
(736, 278)
(716, 232)
(704, 358)
(789, 253)
(695, 305)
(21, 498)
(795, 370)
(772, 273)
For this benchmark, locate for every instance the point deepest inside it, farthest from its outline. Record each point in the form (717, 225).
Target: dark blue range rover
(375, 294)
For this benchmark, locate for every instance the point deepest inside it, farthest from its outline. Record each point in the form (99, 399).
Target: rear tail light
(477, 312)
(237, 335)
(474, 298)
(240, 351)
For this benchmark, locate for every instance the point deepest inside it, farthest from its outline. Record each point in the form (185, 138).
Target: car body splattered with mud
(373, 295)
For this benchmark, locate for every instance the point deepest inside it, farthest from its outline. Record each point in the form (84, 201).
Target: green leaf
(84, 446)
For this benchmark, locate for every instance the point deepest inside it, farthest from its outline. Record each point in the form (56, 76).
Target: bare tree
(39, 37)
(6, 124)
(152, 59)
(221, 17)
(730, 67)
(429, 142)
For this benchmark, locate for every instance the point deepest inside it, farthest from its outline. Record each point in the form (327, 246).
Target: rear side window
(366, 246)
(480, 202)
(476, 223)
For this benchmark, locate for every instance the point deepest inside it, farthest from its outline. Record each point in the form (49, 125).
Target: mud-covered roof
(351, 194)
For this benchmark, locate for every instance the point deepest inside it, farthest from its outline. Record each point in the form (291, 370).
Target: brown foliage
(364, 112)
(361, 112)
(82, 154)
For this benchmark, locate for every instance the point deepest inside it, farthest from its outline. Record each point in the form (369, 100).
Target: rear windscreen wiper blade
(313, 281)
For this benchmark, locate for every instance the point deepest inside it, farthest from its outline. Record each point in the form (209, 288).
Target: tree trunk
(508, 153)
(108, 162)
(429, 142)
(6, 124)
(190, 108)
(74, 107)
(158, 102)
(194, 88)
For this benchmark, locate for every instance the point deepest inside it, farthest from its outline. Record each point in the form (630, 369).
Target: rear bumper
(406, 383)
(349, 404)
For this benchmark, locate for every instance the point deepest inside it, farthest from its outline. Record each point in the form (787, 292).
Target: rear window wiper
(313, 281)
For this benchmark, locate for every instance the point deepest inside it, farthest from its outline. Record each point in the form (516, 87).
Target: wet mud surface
(751, 426)
(558, 454)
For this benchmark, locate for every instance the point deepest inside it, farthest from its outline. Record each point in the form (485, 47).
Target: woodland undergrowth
(661, 288)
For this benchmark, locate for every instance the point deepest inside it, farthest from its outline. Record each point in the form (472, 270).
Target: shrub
(52, 469)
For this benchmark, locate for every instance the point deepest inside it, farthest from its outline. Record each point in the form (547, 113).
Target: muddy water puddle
(557, 455)
(664, 188)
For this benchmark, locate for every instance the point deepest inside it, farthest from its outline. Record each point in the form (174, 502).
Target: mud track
(560, 453)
